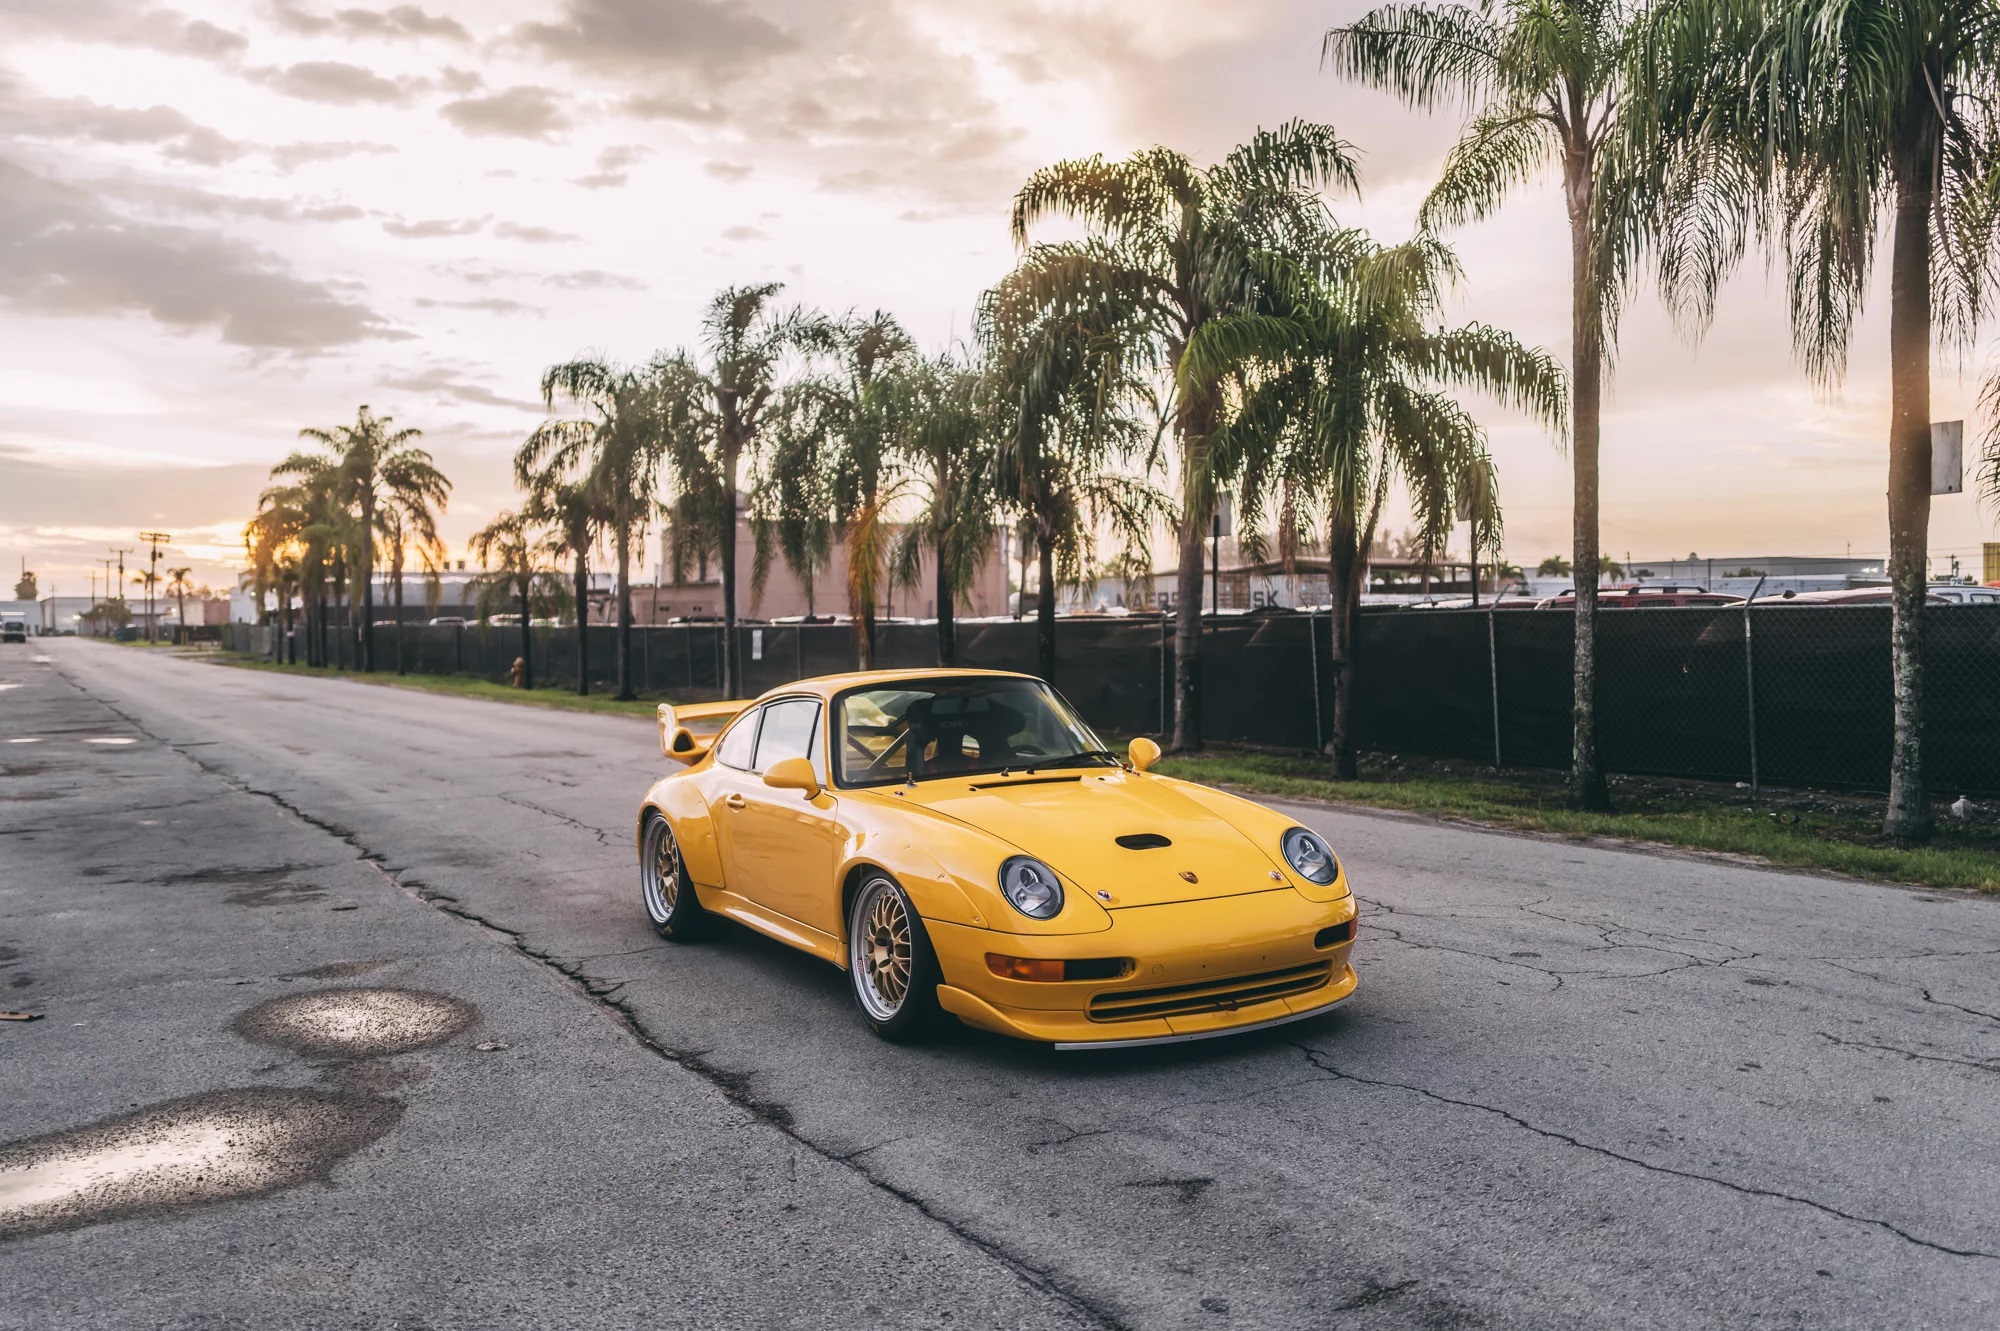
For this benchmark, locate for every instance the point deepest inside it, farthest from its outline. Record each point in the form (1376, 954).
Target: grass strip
(1791, 830)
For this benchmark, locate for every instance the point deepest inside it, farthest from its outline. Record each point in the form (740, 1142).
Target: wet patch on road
(187, 1152)
(356, 1023)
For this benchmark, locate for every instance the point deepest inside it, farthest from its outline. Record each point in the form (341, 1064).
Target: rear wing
(687, 730)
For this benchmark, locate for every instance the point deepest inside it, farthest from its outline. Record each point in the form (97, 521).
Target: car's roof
(827, 685)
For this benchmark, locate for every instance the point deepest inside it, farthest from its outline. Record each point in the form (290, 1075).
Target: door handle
(736, 802)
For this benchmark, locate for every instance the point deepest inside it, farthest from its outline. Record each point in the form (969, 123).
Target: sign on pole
(1947, 457)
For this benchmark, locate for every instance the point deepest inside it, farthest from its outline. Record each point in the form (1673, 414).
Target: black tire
(672, 907)
(891, 970)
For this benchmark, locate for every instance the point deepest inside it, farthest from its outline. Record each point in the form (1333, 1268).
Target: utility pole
(120, 584)
(155, 539)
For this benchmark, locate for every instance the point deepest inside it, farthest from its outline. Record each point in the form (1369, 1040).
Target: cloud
(728, 171)
(534, 235)
(63, 252)
(744, 233)
(485, 305)
(207, 203)
(166, 30)
(431, 228)
(442, 382)
(520, 112)
(291, 156)
(333, 83)
(612, 166)
(693, 34)
(593, 279)
(75, 118)
(400, 21)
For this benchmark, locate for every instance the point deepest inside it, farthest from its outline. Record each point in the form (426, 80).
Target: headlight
(1310, 856)
(1031, 887)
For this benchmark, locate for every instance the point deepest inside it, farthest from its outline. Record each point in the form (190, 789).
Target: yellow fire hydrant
(519, 671)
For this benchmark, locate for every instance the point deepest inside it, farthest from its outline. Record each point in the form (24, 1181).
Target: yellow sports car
(958, 841)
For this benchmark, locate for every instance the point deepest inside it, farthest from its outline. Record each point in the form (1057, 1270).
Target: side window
(740, 742)
(788, 732)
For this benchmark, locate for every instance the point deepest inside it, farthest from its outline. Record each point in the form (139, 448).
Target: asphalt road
(1578, 1087)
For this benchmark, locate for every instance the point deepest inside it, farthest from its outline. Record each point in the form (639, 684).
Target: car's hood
(1072, 821)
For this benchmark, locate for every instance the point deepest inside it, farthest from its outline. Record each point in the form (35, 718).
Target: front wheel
(673, 908)
(890, 965)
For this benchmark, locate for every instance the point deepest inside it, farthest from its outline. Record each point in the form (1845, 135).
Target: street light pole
(155, 539)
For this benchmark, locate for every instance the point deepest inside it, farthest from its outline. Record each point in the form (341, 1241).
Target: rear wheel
(890, 965)
(671, 905)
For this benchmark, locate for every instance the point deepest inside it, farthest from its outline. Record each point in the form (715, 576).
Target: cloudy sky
(222, 222)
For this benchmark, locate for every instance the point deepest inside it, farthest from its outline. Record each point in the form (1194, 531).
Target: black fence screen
(1784, 695)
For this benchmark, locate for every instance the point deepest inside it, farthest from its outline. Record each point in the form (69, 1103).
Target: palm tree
(149, 579)
(1814, 123)
(575, 513)
(377, 467)
(1543, 81)
(792, 504)
(178, 587)
(713, 417)
(327, 532)
(617, 450)
(947, 444)
(405, 524)
(1168, 251)
(1066, 426)
(863, 425)
(1340, 392)
(512, 551)
(273, 542)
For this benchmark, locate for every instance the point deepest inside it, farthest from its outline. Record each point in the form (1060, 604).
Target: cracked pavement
(1578, 1087)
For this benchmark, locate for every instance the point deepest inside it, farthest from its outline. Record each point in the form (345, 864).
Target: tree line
(1217, 326)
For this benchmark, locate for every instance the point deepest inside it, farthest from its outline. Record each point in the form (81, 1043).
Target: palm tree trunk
(582, 625)
(1908, 818)
(367, 553)
(1194, 422)
(624, 543)
(1187, 636)
(396, 573)
(527, 633)
(730, 665)
(947, 628)
(1343, 563)
(1045, 608)
(1586, 777)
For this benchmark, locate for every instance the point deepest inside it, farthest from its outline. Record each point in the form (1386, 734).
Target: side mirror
(793, 774)
(1143, 753)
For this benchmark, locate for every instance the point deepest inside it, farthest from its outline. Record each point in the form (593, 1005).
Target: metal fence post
(1750, 685)
(1166, 685)
(1312, 654)
(1493, 669)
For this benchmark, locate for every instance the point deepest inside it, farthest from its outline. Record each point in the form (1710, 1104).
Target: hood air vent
(1143, 841)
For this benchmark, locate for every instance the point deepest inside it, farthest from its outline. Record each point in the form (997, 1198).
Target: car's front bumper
(1187, 946)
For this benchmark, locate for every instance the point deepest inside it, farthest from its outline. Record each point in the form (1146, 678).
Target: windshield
(923, 729)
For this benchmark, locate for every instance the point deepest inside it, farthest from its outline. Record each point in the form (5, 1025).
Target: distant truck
(13, 627)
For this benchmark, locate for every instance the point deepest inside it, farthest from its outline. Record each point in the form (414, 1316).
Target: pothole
(186, 1152)
(280, 894)
(356, 1023)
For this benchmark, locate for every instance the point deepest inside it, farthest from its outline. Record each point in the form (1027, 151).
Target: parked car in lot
(452, 621)
(13, 628)
(1849, 596)
(960, 843)
(1641, 596)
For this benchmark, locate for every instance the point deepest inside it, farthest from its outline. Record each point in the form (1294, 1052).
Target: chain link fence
(1777, 695)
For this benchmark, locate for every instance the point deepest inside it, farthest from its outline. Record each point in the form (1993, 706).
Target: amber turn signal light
(1023, 968)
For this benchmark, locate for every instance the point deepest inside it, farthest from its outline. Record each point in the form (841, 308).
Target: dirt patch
(278, 894)
(187, 1152)
(356, 1023)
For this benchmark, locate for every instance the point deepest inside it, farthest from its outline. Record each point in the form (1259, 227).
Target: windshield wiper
(1074, 759)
